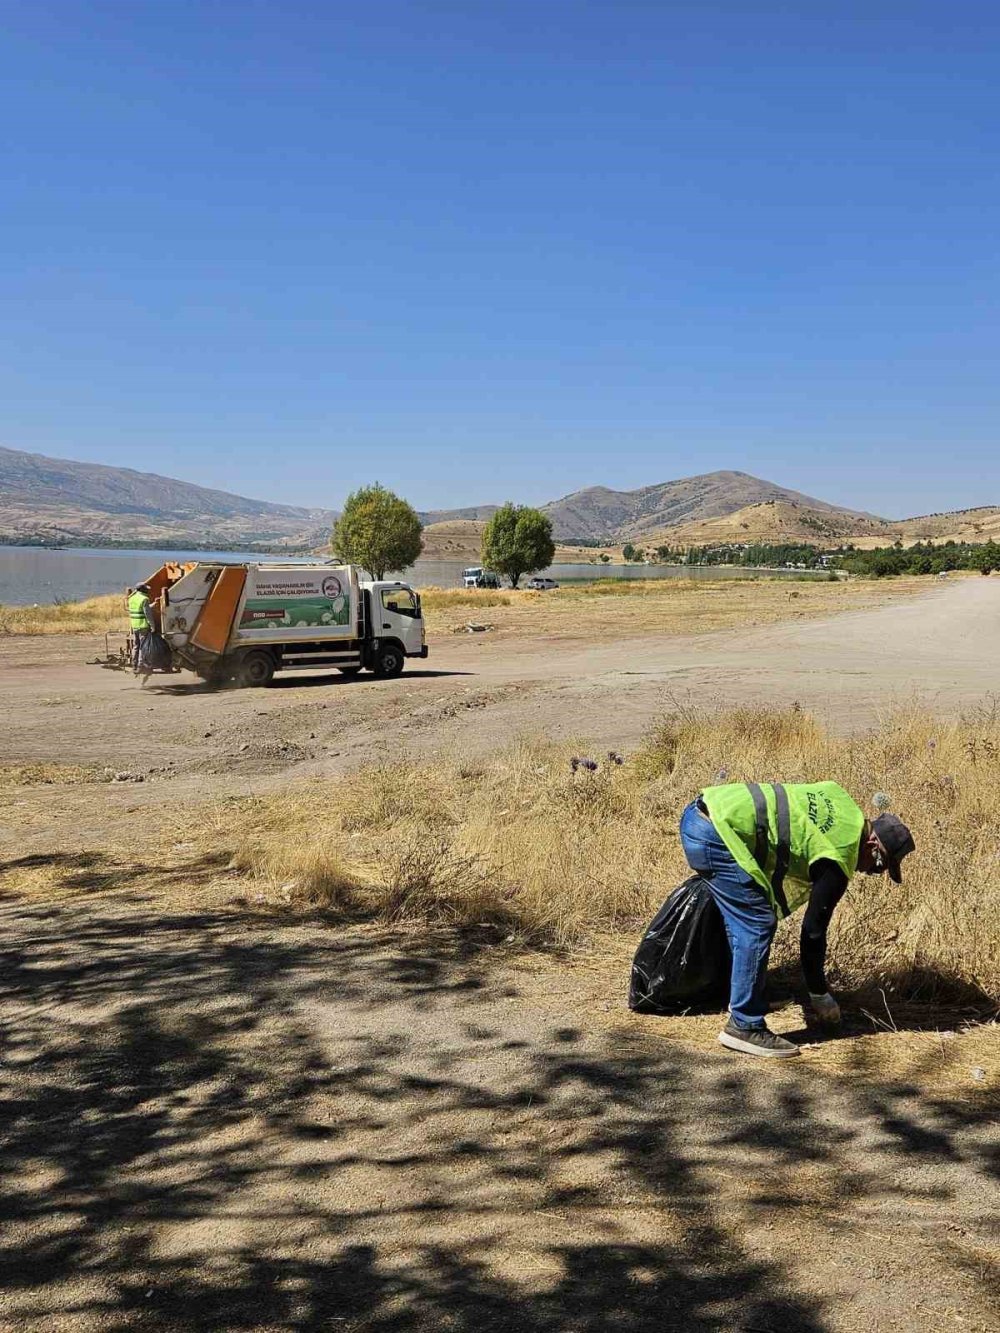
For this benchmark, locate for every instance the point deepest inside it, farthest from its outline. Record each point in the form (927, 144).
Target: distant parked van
(477, 577)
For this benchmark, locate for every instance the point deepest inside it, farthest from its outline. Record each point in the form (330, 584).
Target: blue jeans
(747, 914)
(138, 643)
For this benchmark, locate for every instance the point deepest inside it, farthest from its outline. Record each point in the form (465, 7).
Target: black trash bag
(156, 654)
(684, 961)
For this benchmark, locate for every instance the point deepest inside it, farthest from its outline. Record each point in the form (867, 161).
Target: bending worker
(140, 619)
(762, 850)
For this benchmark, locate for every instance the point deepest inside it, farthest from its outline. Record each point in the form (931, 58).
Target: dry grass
(553, 855)
(622, 608)
(444, 599)
(582, 610)
(96, 615)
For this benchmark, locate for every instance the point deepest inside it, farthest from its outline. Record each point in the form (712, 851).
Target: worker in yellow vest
(763, 850)
(141, 622)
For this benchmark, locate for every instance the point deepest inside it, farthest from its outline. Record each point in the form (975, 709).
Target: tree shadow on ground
(210, 1126)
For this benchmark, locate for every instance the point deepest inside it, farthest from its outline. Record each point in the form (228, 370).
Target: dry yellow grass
(434, 600)
(555, 855)
(96, 615)
(572, 611)
(629, 608)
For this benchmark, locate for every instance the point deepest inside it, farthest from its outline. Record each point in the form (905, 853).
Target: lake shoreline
(31, 575)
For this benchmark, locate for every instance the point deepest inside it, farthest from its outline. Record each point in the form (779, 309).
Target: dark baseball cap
(897, 840)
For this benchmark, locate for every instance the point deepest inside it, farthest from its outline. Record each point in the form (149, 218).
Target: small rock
(979, 1074)
(245, 745)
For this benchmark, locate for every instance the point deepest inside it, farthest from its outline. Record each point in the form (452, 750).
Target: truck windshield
(401, 600)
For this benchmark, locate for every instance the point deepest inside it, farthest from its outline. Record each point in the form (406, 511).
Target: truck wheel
(388, 661)
(255, 670)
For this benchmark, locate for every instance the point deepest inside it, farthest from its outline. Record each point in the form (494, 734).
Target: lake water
(30, 574)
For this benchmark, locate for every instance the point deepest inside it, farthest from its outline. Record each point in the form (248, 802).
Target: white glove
(826, 1008)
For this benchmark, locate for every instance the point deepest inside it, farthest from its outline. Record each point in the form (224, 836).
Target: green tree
(629, 553)
(378, 531)
(517, 540)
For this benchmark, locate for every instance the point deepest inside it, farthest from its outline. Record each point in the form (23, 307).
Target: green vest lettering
(137, 604)
(826, 825)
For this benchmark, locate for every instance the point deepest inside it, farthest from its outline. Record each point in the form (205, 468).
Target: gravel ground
(210, 1123)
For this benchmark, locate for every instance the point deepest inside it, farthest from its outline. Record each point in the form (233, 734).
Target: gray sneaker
(756, 1041)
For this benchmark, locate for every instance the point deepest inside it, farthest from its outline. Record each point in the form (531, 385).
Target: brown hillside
(604, 514)
(777, 521)
(460, 539)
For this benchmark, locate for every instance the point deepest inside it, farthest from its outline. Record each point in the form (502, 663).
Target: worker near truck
(141, 622)
(763, 850)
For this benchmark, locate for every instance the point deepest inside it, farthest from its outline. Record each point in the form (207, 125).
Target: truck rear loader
(244, 622)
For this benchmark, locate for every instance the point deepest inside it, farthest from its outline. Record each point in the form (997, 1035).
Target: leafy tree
(629, 552)
(378, 531)
(517, 540)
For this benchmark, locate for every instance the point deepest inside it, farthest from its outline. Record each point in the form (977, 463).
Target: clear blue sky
(506, 248)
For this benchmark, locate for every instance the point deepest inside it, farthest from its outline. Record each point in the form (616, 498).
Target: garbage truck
(243, 622)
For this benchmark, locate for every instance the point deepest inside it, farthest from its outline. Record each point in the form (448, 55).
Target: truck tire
(388, 661)
(255, 670)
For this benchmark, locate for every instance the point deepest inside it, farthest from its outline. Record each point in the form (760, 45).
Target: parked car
(477, 577)
(540, 584)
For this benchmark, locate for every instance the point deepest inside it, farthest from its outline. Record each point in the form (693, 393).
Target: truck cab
(395, 619)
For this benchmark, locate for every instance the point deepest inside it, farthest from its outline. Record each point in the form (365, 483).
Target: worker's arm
(828, 886)
(147, 610)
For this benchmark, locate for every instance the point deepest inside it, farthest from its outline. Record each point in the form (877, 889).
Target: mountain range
(60, 502)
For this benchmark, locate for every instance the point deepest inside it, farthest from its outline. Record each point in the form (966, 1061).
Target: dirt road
(188, 742)
(219, 1124)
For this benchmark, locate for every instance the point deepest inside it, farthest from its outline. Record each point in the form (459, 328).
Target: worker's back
(824, 823)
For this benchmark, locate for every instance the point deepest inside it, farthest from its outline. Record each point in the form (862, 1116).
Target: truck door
(399, 616)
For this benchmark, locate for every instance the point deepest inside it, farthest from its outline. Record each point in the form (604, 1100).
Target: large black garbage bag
(156, 655)
(684, 960)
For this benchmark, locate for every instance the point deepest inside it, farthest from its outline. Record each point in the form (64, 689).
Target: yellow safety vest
(137, 604)
(821, 822)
